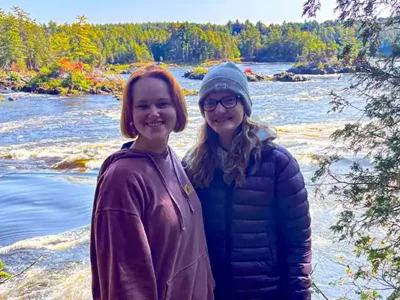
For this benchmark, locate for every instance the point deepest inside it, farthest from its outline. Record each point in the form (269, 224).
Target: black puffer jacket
(258, 235)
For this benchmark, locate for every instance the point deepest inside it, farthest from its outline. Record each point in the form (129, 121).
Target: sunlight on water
(52, 242)
(60, 274)
(68, 154)
(72, 282)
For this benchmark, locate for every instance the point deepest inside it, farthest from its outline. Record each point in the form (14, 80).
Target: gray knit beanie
(226, 77)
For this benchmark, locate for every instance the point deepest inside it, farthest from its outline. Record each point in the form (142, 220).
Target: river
(51, 148)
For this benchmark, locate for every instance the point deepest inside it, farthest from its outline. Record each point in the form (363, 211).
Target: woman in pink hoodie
(147, 233)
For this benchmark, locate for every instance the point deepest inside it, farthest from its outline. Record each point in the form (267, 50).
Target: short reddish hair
(127, 125)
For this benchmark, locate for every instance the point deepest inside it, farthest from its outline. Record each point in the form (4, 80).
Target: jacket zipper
(228, 237)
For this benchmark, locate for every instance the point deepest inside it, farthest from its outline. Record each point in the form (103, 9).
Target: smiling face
(154, 113)
(224, 121)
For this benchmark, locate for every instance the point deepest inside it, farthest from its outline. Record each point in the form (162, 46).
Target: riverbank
(69, 78)
(329, 67)
(198, 73)
(65, 78)
(293, 74)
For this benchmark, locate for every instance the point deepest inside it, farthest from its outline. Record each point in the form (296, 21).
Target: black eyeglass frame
(237, 98)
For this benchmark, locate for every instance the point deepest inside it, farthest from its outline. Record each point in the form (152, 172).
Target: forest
(26, 44)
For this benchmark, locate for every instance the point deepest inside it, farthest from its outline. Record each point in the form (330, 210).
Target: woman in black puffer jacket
(255, 206)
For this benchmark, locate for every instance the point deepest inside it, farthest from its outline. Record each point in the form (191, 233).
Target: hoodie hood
(127, 153)
(124, 153)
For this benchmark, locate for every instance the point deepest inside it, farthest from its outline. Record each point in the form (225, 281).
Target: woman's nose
(220, 109)
(154, 110)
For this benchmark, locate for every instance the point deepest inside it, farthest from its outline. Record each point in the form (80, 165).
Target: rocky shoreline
(328, 67)
(295, 73)
(106, 84)
(54, 84)
(254, 77)
(103, 83)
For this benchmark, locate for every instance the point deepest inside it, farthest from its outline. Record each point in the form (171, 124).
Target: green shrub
(45, 71)
(300, 64)
(200, 71)
(54, 83)
(76, 79)
(14, 77)
(38, 80)
(73, 92)
(119, 67)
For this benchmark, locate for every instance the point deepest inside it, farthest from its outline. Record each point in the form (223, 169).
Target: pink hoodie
(147, 234)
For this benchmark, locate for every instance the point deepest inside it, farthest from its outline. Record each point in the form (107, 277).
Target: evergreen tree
(369, 194)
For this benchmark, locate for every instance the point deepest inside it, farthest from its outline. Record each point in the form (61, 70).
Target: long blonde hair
(202, 159)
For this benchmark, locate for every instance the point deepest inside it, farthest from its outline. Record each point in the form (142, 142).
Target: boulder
(252, 77)
(191, 75)
(289, 77)
(6, 84)
(327, 67)
(41, 90)
(107, 90)
(298, 70)
(310, 70)
(26, 89)
(77, 87)
(331, 70)
(316, 71)
(256, 77)
(348, 70)
(55, 91)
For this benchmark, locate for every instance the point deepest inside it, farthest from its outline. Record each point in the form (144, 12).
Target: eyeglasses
(227, 102)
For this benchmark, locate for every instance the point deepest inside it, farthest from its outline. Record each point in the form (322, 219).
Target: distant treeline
(26, 44)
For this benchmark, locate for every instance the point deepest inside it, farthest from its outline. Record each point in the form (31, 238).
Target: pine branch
(24, 270)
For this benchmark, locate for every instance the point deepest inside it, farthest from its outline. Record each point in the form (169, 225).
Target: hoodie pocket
(194, 281)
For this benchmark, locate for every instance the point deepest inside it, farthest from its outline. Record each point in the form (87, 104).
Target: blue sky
(136, 11)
